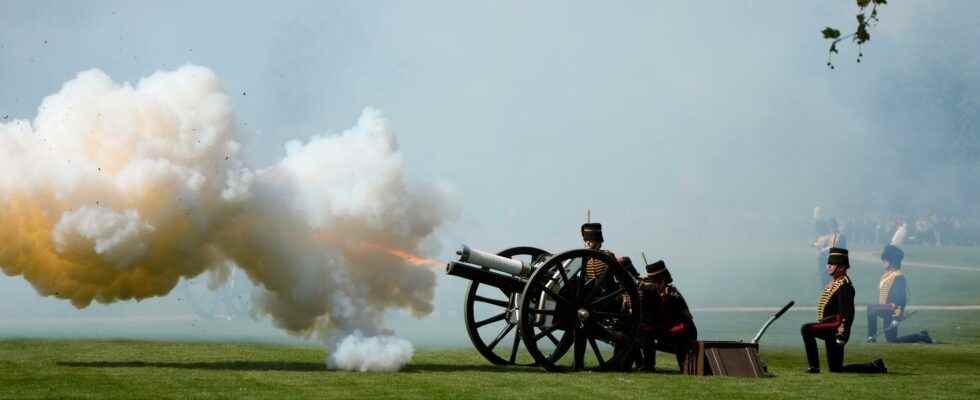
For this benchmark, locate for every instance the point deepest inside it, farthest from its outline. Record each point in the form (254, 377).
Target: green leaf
(881, 2)
(830, 33)
(861, 35)
(863, 3)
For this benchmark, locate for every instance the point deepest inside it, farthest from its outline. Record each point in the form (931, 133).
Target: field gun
(564, 317)
(506, 271)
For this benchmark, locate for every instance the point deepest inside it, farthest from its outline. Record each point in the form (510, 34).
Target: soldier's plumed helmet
(838, 256)
(592, 231)
(893, 255)
(658, 271)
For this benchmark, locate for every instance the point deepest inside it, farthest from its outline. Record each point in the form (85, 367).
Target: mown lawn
(137, 369)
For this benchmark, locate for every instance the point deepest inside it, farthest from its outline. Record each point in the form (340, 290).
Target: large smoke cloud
(117, 192)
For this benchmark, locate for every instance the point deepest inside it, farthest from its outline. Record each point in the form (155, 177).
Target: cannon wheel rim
(473, 330)
(589, 330)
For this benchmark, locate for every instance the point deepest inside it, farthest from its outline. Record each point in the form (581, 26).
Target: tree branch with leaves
(861, 34)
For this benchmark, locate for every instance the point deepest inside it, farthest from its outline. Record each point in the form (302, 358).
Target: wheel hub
(583, 314)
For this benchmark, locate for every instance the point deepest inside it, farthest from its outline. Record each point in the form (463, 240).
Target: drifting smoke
(116, 192)
(377, 353)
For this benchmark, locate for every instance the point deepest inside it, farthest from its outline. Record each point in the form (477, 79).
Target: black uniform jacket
(664, 312)
(897, 293)
(841, 302)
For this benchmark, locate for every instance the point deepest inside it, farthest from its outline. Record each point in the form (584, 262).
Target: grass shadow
(216, 366)
(437, 367)
(309, 367)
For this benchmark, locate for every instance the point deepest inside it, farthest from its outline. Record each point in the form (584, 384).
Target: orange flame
(363, 246)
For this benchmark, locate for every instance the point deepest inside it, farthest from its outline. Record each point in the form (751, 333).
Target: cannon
(565, 319)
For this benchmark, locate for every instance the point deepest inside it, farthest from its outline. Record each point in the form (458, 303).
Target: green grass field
(128, 369)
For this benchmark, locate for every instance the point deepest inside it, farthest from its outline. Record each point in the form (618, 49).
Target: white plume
(377, 353)
(118, 191)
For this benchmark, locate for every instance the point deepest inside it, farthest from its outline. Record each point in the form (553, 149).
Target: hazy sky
(677, 123)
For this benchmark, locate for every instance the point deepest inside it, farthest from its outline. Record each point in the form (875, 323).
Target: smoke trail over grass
(117, 191)
(377, 353)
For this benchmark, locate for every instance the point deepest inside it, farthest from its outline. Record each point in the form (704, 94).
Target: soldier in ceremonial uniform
(835, 314)
(892, 298)
(667, 323)
(592, 235)
(594, 268)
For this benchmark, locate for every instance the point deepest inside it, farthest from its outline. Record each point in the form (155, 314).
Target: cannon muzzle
(506, 283)
(492, 261)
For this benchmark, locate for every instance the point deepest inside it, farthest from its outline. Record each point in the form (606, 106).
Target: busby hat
(592, 231)
(893, 255)
(838, 256)
(659, 270)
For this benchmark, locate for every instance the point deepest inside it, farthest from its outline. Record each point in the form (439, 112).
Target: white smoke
(377, 353)
(117, 192)
(898, 239)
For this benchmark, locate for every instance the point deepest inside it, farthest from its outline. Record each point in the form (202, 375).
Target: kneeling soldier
(667, 323)
(835, 314)
(892, 298)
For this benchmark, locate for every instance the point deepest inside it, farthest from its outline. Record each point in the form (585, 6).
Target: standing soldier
(592, 235)
(594, 268)
(892, 298)
(835, 314)
(667, 323)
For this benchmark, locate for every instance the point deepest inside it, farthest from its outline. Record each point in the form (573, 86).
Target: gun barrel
(507, 283)
(493, 261)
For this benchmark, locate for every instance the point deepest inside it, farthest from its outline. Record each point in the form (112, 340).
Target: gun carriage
(565, 318)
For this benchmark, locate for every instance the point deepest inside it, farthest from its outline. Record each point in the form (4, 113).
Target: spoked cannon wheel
(491, 316)
(563, 308)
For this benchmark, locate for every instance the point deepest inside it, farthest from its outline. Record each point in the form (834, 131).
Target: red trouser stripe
(825, 326)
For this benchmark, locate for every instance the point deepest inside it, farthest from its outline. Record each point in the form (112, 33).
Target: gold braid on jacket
(828, 292)
(594, 268)
(885, 285)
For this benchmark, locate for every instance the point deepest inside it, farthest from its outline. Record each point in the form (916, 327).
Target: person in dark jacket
(667, 323)
(892, 299)
(835, 314)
